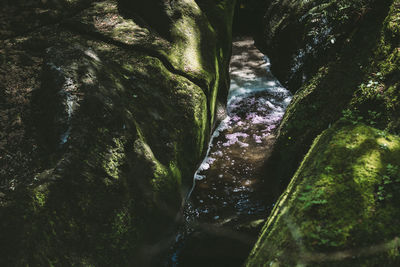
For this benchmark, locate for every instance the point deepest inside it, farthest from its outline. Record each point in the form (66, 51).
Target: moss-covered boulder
(356, 77)
(342, 206)
(103, 121)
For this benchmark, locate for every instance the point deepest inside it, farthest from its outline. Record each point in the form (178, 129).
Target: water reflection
(226, 184)
(228, 191)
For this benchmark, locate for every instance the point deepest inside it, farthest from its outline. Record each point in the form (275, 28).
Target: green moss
(358, 78)
(175, 173)
(40, 198)
(186, 54)
(144, 113)
(332, 204)
(214, 93)
(378, 93)
(201, 122)
(114, 159)
(342, 200)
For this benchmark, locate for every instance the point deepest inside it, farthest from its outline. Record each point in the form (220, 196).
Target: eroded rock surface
(103, 121)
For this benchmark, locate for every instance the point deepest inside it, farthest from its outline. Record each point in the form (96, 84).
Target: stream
(231, 196)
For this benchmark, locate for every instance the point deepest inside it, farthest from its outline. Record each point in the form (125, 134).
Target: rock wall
(104, 116)
(343, 81)
(341, 58)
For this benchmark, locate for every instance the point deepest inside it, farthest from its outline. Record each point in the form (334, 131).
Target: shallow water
(230, 195)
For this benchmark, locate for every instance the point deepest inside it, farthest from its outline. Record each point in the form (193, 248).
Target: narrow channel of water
(230, 199)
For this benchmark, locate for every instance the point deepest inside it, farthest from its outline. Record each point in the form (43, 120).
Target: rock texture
(355, 76)
(104, 116)
(341, 207)
(343, 66)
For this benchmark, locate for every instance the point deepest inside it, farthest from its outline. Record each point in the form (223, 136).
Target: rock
(354, 80)
(113, 119)
(341, 207)
(302, 36)
(338, 84)
(22, 16)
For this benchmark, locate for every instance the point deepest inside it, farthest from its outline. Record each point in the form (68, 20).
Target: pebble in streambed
(228, 189)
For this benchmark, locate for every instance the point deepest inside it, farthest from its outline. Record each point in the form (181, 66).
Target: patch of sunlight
(194, 8)
(387, 143)
(190, 57)
(106, 6)
(90, 53)
(367, 165)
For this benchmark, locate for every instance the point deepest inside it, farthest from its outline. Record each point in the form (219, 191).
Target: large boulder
(103, 122)
(356, 77)
(342, 206)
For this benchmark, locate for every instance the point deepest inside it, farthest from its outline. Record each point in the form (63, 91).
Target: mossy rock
(112, 154)
(359, 85)
(376, 98)
(196, 42)
(301, 36)
(341, 207)
(358, 82)
(113, 119)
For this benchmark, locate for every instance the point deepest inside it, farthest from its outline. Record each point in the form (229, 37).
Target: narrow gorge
(157, 133)
(230, 197)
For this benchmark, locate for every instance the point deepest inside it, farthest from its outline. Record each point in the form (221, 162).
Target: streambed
(231, 196)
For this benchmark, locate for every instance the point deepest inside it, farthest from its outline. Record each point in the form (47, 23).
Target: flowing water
(231, 194)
